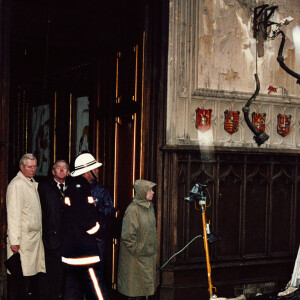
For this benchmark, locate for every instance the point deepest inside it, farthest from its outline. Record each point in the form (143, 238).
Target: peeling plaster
(226, 42)
(231, 75)
(213, 51)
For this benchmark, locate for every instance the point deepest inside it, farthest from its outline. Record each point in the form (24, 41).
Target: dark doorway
(77, 77)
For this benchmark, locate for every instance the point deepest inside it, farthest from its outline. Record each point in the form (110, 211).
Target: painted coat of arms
(258, 120)
(203, 119)
(231, 121)
(283, 124)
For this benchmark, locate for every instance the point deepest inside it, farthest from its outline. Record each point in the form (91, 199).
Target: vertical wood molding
(54, 126)
(70, 126)
(5, 144)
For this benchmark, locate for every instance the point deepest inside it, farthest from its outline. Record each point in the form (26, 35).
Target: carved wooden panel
(251, 205)
(281, 210)
(255, 210)
(228, 207)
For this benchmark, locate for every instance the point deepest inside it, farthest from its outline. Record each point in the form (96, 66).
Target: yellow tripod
(208, 267)
(198, 194)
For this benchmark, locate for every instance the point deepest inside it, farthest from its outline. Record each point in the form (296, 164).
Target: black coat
(52, 202)
(79, 216)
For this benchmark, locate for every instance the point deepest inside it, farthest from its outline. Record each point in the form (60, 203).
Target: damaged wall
(213, 57)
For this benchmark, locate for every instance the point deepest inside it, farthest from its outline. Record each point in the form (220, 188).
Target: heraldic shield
(231, 121)
(283, 124)
(258, 121)
(203, 119)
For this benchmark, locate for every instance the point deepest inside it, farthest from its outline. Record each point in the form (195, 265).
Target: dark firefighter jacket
(80, 226)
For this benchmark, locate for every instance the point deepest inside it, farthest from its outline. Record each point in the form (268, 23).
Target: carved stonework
(269, 106)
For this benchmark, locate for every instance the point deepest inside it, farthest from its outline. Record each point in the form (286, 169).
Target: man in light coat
(24, 228)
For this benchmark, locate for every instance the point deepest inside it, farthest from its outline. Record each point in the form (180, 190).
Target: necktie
(61, 186)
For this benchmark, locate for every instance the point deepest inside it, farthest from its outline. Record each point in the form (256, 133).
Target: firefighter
(80, 230)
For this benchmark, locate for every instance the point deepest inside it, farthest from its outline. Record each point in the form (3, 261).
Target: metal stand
(198, 194)
(208, 266)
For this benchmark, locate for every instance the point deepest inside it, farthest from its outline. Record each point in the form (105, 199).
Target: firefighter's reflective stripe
(96, 284)
(68, 201)
(94, 229)
(90, 200)
(81, 260)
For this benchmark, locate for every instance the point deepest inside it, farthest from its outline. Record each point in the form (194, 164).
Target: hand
(15, 248)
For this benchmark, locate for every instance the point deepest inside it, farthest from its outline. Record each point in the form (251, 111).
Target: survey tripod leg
(208, 266)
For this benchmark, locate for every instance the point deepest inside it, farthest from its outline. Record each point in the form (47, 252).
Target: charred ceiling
(50, 37)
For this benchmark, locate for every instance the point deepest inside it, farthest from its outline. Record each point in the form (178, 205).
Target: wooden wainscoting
(251, 205)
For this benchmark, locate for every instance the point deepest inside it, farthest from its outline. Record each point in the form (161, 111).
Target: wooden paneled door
(128, 139)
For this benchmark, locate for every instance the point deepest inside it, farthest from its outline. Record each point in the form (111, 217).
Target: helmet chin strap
(93, 174)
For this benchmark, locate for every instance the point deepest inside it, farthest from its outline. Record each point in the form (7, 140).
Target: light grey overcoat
(24, 224)
(138, 245)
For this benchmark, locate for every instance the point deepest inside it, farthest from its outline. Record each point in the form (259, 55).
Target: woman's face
(149, 195)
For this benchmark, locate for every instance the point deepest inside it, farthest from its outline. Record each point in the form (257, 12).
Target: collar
(64, 183)
(58, 183)
(27, 179)
(144, 203)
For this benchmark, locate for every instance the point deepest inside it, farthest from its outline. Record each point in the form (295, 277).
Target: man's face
(96, 172)
(29, 169)
(89, 177)
(60, 171)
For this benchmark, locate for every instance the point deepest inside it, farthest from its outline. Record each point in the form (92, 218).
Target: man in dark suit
(52, 201)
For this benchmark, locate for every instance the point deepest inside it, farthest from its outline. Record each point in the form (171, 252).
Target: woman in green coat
(138, 244)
